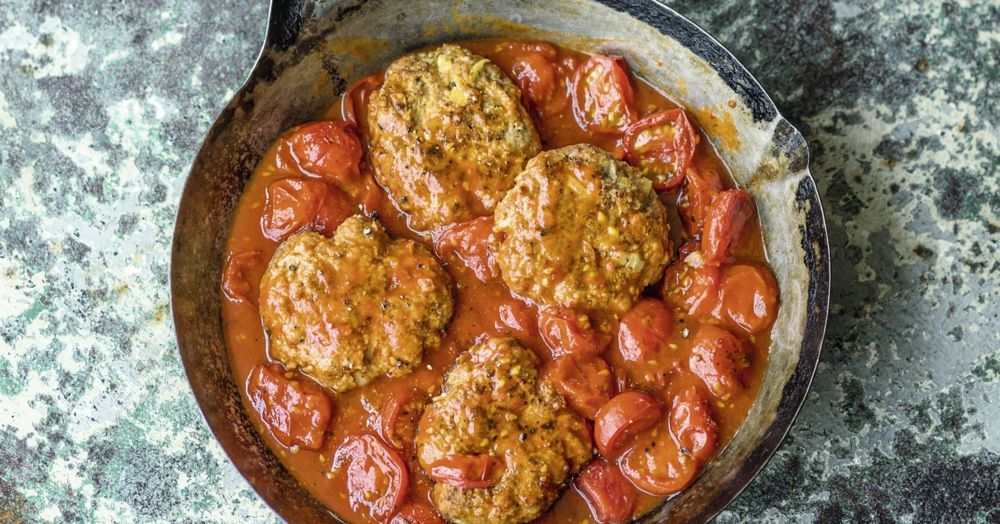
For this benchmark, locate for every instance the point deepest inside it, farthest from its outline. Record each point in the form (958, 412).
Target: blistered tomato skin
(563, 334)
(603, 95)
(655, 464)
(296, 412)
(644, 330)
(611, 498)
(377, 478)
(720, 359)
(467, 471)
(662, 144)
(692, 204)
(622, 418)
(235, 281)
(325, 149)
(585, 381)
(749, 297)
(295, 204)
(692, 423)
(725, 222)
(471, 244)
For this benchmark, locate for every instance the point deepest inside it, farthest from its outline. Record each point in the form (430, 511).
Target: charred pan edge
(225, 162)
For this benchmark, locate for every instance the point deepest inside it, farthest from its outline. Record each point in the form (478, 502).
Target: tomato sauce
(723, 290)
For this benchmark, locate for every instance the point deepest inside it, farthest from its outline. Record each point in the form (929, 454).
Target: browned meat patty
(495, 404)
(448, 135)
(582, 230)
(355, 306)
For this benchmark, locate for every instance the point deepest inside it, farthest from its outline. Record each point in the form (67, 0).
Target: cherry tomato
(399, 419)
(467, 471)
(644, 330)
(655, 464)
(603, 95)
(610, 497)
(622, 418)
(354, 103)
(326, 149)
(294, 204)
(720, 359)
(694, 199)
(295, 412)
(749, 296)
(472, 243)
(377, 478)
(691, 286)
(535, 69)
(562, 332)
(235, 279)
(585, 381)
(517, 319)
(725, 222)
(692, 424)
(416, 513)
(662, 144)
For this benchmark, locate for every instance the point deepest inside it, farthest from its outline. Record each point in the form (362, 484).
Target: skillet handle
(284, 22)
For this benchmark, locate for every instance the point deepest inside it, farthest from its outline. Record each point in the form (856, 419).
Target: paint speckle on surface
(104, 105)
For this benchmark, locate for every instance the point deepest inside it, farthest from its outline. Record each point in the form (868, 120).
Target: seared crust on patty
(448, 135)
(355, 306)
(495, 403)
(582, 230)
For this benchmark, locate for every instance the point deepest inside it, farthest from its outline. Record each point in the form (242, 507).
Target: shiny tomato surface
(665, 390)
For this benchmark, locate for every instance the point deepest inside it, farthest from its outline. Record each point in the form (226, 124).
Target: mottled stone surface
(103, 105)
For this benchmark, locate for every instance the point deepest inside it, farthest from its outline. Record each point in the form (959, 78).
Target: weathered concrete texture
(103, 105)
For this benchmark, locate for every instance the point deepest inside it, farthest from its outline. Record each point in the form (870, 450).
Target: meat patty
(582, 230)
(355, 306)
(448, 135)
(496, 404)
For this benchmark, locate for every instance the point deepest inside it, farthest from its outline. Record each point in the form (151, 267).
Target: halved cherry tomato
(691, 422)
(294, 204)
(235, 280)
(517, 319)
(536, 76)
(655, 464)
(472, 243)
(622, 418)
(725, 221)
(585, 381)
(467, 471)
(720, 359)
(296, 412)
(644, 330)
(416, 513)
(662, 144)
(610, 497)
(354, 103)
(603, 95)
(691, 286)
(399, 419)
(327, 149)
(377, 478)
(562, 332)
(749, 296)
(692, 203)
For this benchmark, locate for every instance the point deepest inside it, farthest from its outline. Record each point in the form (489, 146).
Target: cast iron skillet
(313, 48)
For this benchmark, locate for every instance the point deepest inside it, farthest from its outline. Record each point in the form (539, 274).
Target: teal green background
(103, 105)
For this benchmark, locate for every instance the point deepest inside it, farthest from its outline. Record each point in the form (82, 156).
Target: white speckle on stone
(168, 39)
(7, 120)
(55, 50)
